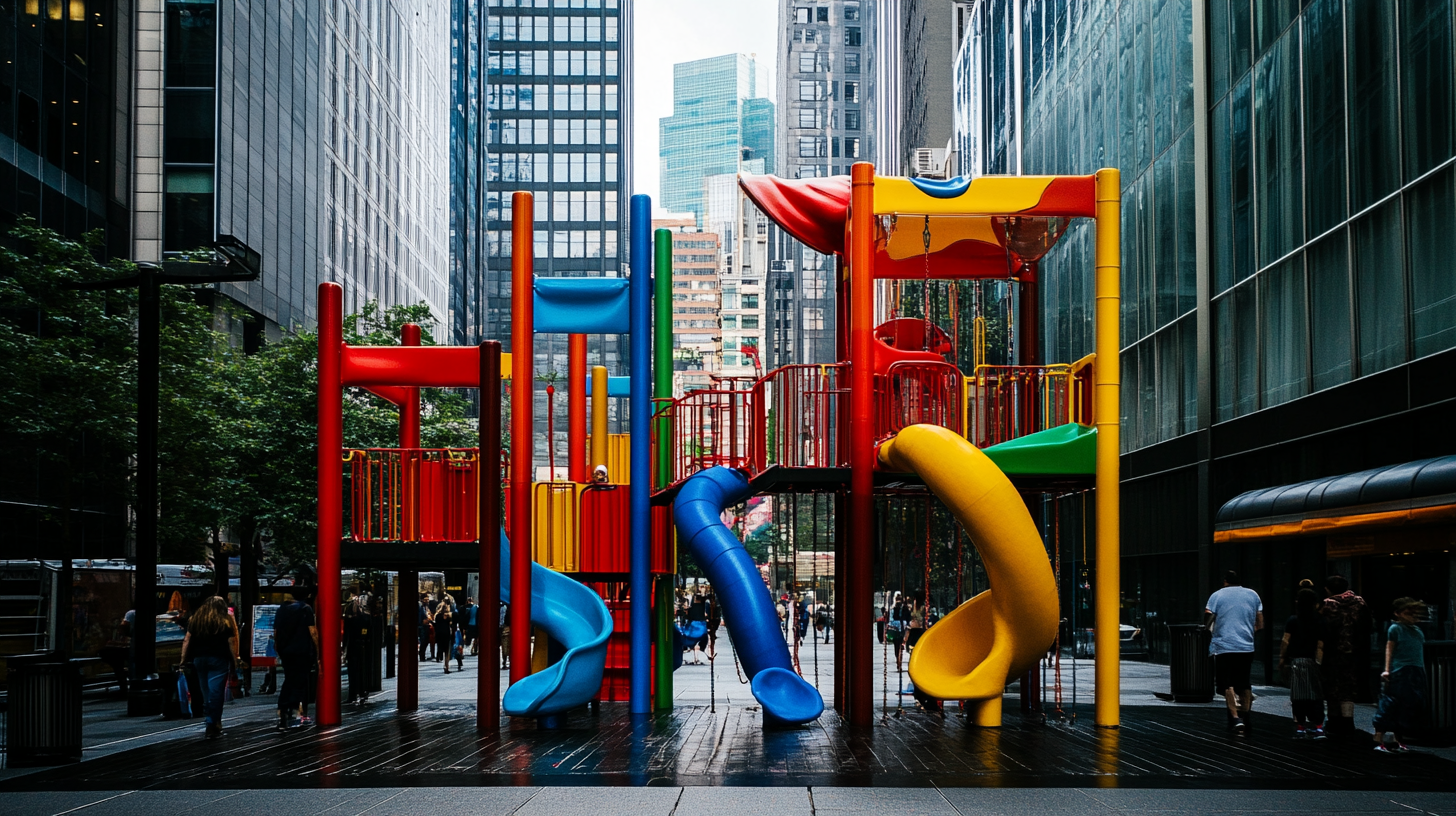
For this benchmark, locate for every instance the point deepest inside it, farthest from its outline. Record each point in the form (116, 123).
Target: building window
(851, 120)
(851, 63)
(811, 62)
(811, 118)
(851, 92)
(851, 147)
(801, 15)
(811, 147)
(821, 14)
(810, 91)
(851, 36)
(750, 301)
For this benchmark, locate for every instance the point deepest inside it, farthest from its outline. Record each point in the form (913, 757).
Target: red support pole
(576, 469)
(487, 689)
(407, 687)
(860, 539)
(330, 497)
(1028, 339)
(522, 358)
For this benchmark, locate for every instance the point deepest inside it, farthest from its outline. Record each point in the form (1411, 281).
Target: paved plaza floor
(710, 754)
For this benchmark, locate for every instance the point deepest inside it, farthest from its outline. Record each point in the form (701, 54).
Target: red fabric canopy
(812, 210)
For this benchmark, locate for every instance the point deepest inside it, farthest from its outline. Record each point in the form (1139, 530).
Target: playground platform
(1159, 746)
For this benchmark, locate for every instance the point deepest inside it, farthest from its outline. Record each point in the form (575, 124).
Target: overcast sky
(671, 31)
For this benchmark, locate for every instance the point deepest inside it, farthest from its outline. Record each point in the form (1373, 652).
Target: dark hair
(1306, 602)
(1337, 584)
(1232, 578)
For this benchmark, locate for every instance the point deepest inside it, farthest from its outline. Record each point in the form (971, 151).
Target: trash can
(43, 726)
(1190, 668)
(1441, 690)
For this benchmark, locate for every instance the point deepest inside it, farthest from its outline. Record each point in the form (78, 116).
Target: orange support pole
(859, 542)
(407, 687)
(523, 355)
(330, 498)
(576, 408)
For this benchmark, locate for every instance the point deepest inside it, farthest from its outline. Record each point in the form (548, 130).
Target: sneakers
(212, 732)
(1318, 732)
(1300, 732)
(1381, 749)
(1399, 748)
(1240, 727)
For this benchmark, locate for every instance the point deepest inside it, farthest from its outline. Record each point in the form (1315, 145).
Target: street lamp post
(233, 261)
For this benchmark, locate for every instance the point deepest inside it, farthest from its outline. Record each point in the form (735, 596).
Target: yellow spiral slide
(1002, 632)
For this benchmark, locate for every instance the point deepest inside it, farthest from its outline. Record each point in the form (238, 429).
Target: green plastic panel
(1066, 450)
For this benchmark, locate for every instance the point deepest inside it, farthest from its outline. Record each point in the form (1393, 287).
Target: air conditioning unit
(932, 162)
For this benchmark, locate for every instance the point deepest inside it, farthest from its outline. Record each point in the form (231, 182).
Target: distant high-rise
(467, 171)
(718, 121)
(826, 109)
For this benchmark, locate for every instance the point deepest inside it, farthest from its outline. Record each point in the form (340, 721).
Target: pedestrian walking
(444, 631)
(505, 637)
(469, 628)
(357, 621)
(295, 632)
(211, 644)
(1300, 653)
(1347, 626)
(1402, 704)
(1235, 614)
(423, 626)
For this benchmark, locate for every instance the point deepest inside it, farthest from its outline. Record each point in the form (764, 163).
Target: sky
(671, 31)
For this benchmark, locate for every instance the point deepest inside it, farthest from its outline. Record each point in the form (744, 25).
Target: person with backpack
(295, 634)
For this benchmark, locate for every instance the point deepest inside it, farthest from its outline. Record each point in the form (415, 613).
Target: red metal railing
(917, 393)
(711, 428)
(1006, 402)
(413, 494)
(799, 417)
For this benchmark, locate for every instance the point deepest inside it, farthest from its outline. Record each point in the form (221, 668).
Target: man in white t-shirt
(1235, 614)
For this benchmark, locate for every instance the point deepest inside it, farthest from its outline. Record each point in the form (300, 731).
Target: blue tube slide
(747, 607)
(575, 617)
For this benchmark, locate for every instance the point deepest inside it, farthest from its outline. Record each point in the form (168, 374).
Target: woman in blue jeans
(212, 646)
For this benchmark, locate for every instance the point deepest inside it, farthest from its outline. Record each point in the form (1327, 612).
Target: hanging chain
(925, 286)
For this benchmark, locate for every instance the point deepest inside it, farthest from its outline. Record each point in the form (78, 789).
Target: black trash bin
(1190, 668)
(1441, 691)
(43, 726)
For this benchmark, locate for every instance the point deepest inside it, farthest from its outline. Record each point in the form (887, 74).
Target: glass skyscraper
(467, 171)
(1289, 206)
(717, 123)
(826, 109)
(559, 126)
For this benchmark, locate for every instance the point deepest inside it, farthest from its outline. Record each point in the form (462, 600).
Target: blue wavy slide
(747, 607)
(575, 617)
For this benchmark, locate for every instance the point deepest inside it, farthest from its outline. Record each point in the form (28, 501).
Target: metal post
(859, 595)
(576, 469)
(330, 497)
(599, 435)
(487, 690)
(523, 353)
(407, 687)
(662, 389)
(1107, 375)
(639, 490)
(144, 630)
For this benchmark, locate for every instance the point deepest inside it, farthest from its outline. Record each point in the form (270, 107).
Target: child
(1403, 700)
(1300, 654)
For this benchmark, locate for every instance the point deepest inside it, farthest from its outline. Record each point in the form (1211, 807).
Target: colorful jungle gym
(589, 567)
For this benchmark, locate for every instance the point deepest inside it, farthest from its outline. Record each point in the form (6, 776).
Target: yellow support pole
(599, 420)
(1106, 387)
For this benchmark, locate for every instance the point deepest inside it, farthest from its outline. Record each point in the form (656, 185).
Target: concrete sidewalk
(719, 801)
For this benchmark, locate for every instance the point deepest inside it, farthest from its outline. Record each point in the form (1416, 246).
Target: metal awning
(1419, 492)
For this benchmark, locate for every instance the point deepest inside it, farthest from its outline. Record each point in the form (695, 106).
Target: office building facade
(65, 117)
(325, 151)
(559, 126)
(1288, 311)
(467, 171)
(827, 121)
(696, 302)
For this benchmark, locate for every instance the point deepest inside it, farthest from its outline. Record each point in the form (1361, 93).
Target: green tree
(68, 398)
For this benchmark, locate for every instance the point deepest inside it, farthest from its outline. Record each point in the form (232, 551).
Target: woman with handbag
(211, 644)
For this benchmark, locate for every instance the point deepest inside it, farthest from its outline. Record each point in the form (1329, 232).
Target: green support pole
(662, 389)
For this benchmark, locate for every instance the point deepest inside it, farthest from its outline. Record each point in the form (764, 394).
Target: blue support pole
(639, 492)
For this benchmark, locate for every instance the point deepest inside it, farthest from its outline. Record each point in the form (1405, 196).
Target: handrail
(1005, 402)
(413, 494)
(913, 392)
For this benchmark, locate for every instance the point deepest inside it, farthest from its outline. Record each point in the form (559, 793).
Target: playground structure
(892, 406)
